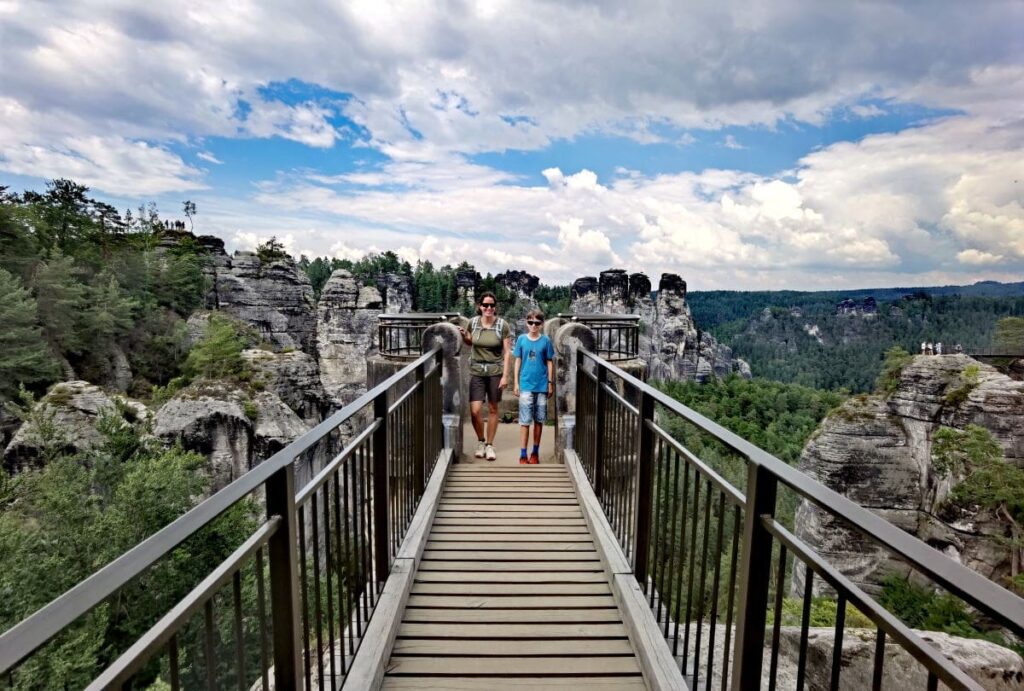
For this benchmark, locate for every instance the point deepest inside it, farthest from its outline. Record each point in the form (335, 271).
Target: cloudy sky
(782, 144)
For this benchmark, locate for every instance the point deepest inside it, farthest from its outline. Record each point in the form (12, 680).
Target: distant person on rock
(533, 383)
(490, 360)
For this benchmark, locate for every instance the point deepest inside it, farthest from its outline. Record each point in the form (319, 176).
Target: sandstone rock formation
(466, 283)
(231, 428)
(520, 283)
(293, 377)
(670, 342)
(878, 452)
(346, 335)
(67, 418)
(396, 290)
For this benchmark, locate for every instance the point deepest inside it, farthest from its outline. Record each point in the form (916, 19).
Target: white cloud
(209, 158)
(730, 142)
(978, 258)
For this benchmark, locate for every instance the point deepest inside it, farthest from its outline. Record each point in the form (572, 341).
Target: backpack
(475, 328)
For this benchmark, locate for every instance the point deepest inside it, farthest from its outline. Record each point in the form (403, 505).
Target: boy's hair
(487, 294)
(535, 314)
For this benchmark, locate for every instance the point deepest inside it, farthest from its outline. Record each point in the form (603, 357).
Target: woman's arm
(507, 361)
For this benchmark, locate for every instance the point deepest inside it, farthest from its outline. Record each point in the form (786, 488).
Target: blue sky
(777, 146)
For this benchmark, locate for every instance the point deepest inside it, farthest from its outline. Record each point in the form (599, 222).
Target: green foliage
(270, 251)
(219, 354)
(78, 513)
(250, 410)
(923, 608)
(968, 381)
(25, 357)
(896, 358)
(1009, 336)
(823, 613)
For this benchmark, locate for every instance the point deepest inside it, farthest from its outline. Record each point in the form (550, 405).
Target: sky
(783, 144)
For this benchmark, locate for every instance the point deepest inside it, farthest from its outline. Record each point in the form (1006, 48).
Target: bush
(896, 358)
(219, 354)
(823, 613)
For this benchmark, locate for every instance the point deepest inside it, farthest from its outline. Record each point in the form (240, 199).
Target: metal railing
(713, 560)
(293, 601)
(616, 336)
(400, 336)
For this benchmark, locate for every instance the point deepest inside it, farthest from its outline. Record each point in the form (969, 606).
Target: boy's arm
(515, 381)
(551, 377)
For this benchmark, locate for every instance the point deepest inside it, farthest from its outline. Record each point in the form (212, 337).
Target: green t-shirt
(487, 357)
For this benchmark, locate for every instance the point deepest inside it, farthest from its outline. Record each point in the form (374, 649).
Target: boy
(534, 382)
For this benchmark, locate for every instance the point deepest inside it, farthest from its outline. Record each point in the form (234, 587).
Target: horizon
(782, 147)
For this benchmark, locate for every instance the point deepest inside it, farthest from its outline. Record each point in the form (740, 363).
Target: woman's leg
(492, 420)
(475, 408)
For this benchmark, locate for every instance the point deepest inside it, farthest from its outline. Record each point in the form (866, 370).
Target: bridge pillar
(569, 338)
(452, 390)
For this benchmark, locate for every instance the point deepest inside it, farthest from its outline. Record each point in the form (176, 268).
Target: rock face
(396, 290)
(232, 429)
(519, 282)
(69, 411)
(670, 342)
(294, 378)
(466, 283)
(878, 452)
(276, 298)
(346, 335)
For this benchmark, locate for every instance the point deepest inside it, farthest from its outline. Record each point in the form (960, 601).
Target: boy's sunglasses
(488, 305)
(533, 322)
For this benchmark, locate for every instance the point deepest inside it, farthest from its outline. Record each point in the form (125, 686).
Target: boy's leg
(525, 419)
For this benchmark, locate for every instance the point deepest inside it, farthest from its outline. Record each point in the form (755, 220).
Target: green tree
(896, 358)
(986, 479)
(24, 356)
(271, 250)
(189, 207)
(219, 354)
(62, 302)
(1009, 336)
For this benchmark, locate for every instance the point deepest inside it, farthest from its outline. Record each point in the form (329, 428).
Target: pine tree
(61, 299)
(24, 355)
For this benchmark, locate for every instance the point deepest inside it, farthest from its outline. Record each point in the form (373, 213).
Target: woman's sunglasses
(488, 305)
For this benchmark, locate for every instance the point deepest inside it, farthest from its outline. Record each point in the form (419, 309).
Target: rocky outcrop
(346, 335)
(519, 283)
(275, 298)
(294, 378)
(65, 420)
(396, 289)
(878, 452)
(868, 307)
(466, 283)
(233, 429)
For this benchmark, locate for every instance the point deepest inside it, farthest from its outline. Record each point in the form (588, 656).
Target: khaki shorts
(484, 388)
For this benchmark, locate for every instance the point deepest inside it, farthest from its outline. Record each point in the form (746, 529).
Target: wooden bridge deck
(510, 592)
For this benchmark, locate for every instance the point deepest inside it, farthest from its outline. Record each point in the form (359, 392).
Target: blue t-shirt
(533, 371)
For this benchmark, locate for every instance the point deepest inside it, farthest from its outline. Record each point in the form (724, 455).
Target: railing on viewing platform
(617, 336)
(710, 548)
(289, 607)
(400, 336)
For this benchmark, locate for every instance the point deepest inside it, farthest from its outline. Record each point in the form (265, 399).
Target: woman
(491, 339)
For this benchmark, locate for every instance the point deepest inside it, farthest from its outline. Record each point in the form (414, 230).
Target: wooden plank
(513, 666)
(554, 521)
(513, 631)
(420, 646)
(507, 566)
(522, 555)
(420, 588)
(512, 616)
(511, 684)
(534, 531)
(531, 503)
(506, 601)
(514, 511)
(511, 546)
(518, 538)
(595, 576)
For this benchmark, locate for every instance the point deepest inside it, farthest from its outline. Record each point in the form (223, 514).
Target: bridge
(631, 564)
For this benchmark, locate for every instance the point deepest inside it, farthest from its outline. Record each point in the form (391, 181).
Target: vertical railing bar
(304, 580)
(236, 588)
(421, 428)
(777, 625)
(382, 557)
(351, 594)
(876, 676)
(837, 647)
(933, 681)
(691, 557)
(329, 567)
(641, 518)
(754, 578)
(211, 661)
(261, 612)
(677, 600)
(673, 548)
(172, 664)
(661, 505)
(317, 597)
(359, 497)
(341, 554)
(805, 622)
(713, 619)
(703, 579)
(727, 648)
(283, 556)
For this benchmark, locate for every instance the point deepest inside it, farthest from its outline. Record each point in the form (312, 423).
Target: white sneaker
(491, 455)
(480, 450)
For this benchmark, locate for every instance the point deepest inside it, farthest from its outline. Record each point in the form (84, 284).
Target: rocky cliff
(877, 451)
(346, 335)
(670, 342)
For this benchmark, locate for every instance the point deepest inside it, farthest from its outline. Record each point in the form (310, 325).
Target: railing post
(598, 479)
(381, 537)
(421, 425)
(755, 575)
(282, 551)
(644, 488)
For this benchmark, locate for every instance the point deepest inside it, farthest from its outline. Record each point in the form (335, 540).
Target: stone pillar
(454, 399)
(569, 338)
(396, 289)
(466, 282)
(584, 297)
(613, 290)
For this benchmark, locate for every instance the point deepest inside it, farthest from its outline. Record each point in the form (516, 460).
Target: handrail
(972, 587)
(34, 631)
